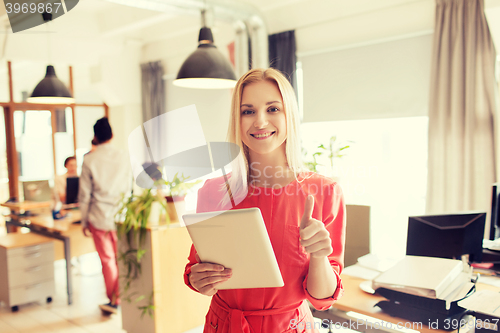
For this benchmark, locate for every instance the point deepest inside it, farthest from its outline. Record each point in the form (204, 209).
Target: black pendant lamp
(51, 90)
(206, 68)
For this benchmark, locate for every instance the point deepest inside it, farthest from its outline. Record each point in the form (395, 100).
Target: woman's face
(263, 119)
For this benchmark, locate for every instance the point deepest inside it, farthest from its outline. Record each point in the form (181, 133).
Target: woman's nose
(261, 120)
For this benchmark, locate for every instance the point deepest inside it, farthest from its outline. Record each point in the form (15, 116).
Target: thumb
(308, 209)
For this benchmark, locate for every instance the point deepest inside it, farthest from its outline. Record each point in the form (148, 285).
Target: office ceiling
(335, 23)
(339, 21)
(151, 20)
(104, 25)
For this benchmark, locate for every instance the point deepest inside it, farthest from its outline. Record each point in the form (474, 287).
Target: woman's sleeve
(334, 217)
(201, 206)
(191, 261)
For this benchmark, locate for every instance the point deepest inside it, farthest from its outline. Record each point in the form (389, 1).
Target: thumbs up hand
(313, 234)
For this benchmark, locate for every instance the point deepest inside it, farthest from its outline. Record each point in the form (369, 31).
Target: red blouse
(278, 309)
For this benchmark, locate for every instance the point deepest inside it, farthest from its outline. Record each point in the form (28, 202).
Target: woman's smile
(262, 135)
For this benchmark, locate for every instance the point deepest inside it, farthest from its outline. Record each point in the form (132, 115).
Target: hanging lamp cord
(47, 17)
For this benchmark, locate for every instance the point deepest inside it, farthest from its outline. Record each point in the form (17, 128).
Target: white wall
(121, 90)
(213, 108)
(212, 105)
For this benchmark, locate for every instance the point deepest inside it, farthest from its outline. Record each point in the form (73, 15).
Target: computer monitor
(495, 213)
(72, 190)
(37, 190)
(447, 235)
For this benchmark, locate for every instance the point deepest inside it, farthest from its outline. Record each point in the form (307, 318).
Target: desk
(26, 205)
(45, 225)
(356, 300)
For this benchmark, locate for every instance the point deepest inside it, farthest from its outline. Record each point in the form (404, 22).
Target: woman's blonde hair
(240, 177)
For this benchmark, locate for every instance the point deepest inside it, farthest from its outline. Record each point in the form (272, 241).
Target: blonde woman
(304, 214)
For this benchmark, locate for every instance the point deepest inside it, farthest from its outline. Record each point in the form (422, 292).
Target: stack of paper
(359, 271)
(370, 266)
(423, 276)
(484, 301)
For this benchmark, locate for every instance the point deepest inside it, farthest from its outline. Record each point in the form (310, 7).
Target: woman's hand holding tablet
(205, 277)
(235, 238)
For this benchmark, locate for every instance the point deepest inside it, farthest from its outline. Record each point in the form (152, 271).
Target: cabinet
(26, 269)
(177, 308)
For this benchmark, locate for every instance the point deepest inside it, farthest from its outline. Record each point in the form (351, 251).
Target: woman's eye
(246, 112)
(273, 109)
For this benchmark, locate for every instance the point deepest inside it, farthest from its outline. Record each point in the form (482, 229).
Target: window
(33, 132)
(385, 168)
(63, 138)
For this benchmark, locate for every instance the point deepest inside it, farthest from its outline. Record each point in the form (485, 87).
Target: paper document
(357, 270)
(491, 280)
(378, 263)
(484, 301)
(491, 244)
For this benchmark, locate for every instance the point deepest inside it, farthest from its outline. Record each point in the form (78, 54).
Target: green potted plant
(333, 150)
(176, 191)
(151, 207)
(311, 165)
(132, 219)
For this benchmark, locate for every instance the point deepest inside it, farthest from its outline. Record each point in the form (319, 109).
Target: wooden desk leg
(69, 277)
(9, 226)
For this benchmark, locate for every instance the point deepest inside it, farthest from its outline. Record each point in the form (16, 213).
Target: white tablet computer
(236, 239)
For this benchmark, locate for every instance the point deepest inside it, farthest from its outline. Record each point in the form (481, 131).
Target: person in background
(60, 180)
(106, 175)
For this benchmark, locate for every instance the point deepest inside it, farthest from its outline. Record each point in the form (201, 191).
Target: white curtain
(462, 110)
(153, 105)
